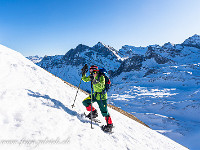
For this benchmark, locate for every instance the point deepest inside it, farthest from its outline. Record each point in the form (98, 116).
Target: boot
(94, 114)
(109, 126)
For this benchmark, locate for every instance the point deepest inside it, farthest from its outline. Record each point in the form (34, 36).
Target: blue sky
(50, 27)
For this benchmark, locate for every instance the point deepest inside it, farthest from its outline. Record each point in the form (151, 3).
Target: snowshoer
(99, 96)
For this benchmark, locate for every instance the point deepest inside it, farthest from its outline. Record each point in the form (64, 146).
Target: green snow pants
(102, 104)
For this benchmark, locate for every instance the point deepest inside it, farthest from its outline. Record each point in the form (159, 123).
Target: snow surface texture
(36, 113)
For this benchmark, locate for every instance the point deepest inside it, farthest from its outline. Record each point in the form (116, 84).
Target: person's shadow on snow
(57, 105)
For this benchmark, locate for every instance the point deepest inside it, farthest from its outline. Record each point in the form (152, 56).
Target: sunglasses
(93, 72)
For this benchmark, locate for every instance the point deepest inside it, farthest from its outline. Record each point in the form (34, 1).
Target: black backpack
(102, 71)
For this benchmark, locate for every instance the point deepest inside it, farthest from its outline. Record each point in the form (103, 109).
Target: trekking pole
(76, 94)
(91, 102)
(84, 70)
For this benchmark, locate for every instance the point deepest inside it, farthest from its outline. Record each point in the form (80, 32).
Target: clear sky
(50, 27)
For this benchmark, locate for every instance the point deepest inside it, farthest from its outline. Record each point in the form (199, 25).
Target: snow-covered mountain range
(35, 59)
(36, 113)
(154, 63)
(156, 83)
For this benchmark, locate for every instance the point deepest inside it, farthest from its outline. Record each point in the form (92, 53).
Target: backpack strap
(99, 75)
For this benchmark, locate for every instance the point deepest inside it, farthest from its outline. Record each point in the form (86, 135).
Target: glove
(91, 77)
(84, 69)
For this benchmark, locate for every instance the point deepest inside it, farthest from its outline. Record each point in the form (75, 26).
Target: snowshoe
(94, 114)
(107, 128)
(95, 120)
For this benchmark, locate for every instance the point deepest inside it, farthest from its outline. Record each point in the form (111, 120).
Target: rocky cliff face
(99, 54)
(130, 64)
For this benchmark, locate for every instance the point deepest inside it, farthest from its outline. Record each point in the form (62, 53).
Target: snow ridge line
(109, 105)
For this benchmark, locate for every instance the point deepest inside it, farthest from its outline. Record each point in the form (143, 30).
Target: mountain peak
(35, 59)
(99, 45)
(81, 46)
(168, 45)
(196, 36)
(103, 47)
(193, 41)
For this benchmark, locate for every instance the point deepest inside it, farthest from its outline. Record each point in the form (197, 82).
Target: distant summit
(129, 51)
(105, 49)
(168, 45)
(99, 45)
(35, 59)
(193, 41)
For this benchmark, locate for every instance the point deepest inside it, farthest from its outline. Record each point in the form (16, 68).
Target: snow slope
(36, 113)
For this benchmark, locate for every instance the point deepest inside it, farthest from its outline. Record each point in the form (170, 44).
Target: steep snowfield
(36, 113)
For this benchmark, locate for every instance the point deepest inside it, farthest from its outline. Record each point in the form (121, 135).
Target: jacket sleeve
(85, 79)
